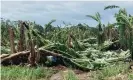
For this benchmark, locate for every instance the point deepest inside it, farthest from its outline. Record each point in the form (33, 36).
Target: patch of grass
(130, 76)
(25, 73)
(111, 70)
(70, 75)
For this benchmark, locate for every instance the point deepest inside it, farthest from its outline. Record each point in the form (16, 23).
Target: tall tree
(97, 18)
(128, 21)
(125, 27)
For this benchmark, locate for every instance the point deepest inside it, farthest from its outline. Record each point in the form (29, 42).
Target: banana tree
(110, 32)
(121, 27)
(33, 39)
(125, 27)
(4, 32)
(49, 27)
(11, 37)
(97, 18)
(128, 21)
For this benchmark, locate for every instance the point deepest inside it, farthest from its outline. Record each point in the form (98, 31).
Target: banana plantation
(80, 47)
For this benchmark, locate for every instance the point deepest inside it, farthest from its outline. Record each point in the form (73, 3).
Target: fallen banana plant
(88, 59)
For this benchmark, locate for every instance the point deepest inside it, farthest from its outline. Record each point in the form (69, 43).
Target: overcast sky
(70, 12)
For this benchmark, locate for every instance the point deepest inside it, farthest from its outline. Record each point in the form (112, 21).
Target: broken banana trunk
(15, 58)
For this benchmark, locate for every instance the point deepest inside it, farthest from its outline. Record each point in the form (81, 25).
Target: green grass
(71, 75)
(43, 73)
(130, 76)
(111, 70)
(105, 73)
(25, 73)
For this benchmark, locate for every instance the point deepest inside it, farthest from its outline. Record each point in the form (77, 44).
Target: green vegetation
(79, 46)
(25, 73)
(113, 70)
(43, 73)
(70, 75)
(130, 76)
(118, 71)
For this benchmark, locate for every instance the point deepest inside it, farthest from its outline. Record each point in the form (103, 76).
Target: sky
(73, 12)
